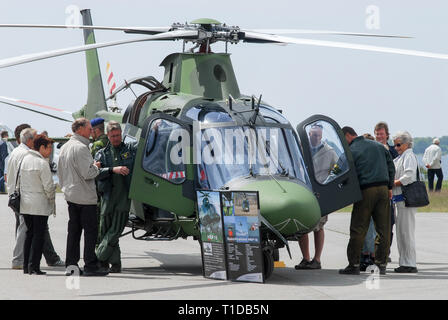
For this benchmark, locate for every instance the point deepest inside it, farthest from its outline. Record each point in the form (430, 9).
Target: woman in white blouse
(405, 173)
(37, 200)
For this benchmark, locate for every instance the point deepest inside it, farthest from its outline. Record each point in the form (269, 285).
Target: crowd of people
(95, 191)
(95, 180)
(382, 170)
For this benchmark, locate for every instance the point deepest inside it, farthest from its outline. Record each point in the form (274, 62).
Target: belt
(398, 198)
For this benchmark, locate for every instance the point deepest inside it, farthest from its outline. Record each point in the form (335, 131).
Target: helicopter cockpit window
(272, 116)
(205, 116)
(163, 155)
(232, 152)
(329, 159)
(215, 116)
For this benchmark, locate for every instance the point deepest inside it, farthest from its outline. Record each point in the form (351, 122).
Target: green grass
(438, 201)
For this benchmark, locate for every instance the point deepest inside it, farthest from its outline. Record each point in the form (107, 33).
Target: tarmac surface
(173, 270)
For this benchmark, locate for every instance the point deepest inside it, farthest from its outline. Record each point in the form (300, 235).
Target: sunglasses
(398, 145)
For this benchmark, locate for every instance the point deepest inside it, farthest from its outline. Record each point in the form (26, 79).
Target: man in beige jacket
(77, 172)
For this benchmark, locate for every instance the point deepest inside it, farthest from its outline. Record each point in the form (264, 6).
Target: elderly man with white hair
(406, 166)
(432, 160)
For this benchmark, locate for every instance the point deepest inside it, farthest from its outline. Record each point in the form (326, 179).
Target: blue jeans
(369, 241)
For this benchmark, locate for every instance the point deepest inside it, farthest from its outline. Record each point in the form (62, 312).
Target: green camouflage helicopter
(195, 130)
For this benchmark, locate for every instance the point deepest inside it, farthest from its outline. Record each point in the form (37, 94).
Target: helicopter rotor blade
(323, 32)
(35, 111)
(171, 35)
(14, 100)
(146, 30)
(266, 38)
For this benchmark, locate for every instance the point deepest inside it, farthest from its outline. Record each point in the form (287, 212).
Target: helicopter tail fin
(96, 100)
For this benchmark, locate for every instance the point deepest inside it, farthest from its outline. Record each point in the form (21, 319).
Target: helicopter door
(329, 163)
(163, 174)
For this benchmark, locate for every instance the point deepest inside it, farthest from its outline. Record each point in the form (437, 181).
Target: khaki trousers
(375, 203)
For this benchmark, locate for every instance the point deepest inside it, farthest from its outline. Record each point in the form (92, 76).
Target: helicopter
(179, 123)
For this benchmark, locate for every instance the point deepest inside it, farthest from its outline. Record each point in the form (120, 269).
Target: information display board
(212, 236)
(242, 236)
(230, 235)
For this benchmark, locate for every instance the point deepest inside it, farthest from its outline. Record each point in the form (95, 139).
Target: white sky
(355, 88)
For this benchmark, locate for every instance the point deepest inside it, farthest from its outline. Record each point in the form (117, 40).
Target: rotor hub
(211, 31)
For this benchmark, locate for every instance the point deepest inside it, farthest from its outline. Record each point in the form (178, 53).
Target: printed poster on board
(212, 236)
(244, 253)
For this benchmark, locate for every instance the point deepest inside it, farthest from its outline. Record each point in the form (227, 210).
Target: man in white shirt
(432, 160)
(324, 158)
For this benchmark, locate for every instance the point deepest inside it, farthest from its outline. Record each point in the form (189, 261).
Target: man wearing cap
(432, 160)
(114, 180)
(99, 137)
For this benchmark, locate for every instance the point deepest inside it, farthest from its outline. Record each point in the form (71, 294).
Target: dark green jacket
(125, 156)
(373, 163)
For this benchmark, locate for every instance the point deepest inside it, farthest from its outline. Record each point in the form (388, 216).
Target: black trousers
(34, 241)
(439, 174)
(48, 250)
(82, 217)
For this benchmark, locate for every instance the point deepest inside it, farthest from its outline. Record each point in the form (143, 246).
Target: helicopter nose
(288, 206)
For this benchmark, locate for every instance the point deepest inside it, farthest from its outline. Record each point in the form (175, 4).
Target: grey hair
(79, 123)
(405, 138)
(113, 125)
(27, 135)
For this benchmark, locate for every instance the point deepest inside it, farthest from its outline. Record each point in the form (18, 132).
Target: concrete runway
(173, 270)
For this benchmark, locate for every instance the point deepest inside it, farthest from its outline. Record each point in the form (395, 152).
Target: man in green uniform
(99, 137)
(117, 160)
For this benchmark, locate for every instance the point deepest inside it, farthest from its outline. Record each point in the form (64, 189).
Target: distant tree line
(420, 144)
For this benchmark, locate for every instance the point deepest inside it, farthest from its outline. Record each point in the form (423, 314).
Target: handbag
(415, 194)
(14, 198)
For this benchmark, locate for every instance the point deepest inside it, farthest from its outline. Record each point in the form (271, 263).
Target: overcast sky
(355, 88)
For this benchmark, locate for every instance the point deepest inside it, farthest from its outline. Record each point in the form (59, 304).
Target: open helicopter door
(329, 163)
(163, 174)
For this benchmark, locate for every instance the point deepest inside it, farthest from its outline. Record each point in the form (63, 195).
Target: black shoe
(115, 268)
(315, 265)
(403, 269)
(365, 262)
(25, 270)
(382, 269)
(38, 272)
(70, 271)
(59, 263)
(350, 270)
(303, 265)
(100, 272)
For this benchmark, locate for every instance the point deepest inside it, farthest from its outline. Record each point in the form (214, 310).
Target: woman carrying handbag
(406, 173)
(37, 200)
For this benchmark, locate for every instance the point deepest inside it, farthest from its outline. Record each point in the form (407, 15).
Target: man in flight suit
(117, 161)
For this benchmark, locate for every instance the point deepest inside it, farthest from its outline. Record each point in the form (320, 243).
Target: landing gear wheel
(276, 254)
(268, 261)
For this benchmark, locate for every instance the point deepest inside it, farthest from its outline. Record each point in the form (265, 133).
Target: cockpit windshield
(228, 152)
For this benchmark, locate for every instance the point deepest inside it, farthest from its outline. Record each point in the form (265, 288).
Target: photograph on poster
(209, 215)
(246, 204)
